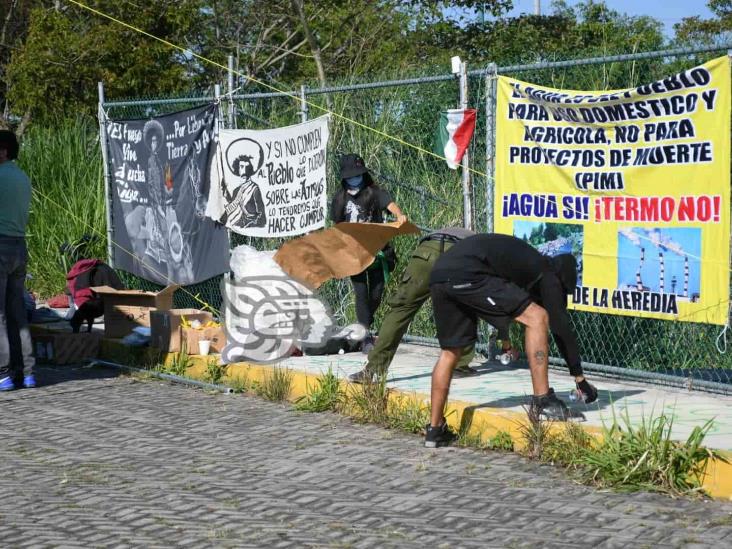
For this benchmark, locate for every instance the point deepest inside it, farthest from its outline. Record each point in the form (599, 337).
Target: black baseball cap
(352, 165)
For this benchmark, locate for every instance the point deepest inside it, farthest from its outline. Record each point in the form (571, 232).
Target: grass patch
(215, 371)
(535, 434)
(568, 446)
(407, 413)
(501, 441)
(325, 396)
(180, 362)
(239, 384)
(625, 457)
(65, 167)
(276, 385)
(470, 440)
(368, 402)
(644, 457)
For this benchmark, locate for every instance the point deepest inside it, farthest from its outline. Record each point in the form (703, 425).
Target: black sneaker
(465, 372)
(549, 408)
(586, 391)
(438, 436)
(363, 376)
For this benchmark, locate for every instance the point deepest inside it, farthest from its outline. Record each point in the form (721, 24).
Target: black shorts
(458, 306)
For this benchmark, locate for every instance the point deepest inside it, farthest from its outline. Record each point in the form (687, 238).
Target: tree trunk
(313, 43)
(23, 124)
(8, 17)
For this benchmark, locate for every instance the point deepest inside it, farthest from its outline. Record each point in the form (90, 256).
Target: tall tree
(67, 51)
(715, 30)
(14, 19)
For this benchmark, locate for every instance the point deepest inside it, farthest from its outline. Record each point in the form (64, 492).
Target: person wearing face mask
(360, 200)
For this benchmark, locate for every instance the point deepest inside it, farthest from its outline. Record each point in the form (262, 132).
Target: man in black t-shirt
(498, 278)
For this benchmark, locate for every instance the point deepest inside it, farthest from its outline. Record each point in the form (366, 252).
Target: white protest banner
(270, 183)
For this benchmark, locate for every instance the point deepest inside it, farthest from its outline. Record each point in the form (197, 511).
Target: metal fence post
(490, 142)
(217, 98)
(232, 108)
(107, 182)
(303, 104)
(467, 192)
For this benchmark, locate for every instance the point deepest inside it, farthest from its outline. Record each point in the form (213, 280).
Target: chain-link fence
(406, 111)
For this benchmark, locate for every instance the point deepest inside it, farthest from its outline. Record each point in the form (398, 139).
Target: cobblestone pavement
(96, 460)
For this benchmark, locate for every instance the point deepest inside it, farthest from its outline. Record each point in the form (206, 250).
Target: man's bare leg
(536, 321)
(441, 377)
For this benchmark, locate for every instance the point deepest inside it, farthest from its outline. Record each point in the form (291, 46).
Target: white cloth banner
(270, 183)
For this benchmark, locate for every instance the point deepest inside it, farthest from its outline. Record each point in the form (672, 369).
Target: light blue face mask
(354, 184)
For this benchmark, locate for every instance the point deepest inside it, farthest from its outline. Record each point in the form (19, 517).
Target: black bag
(391, 257)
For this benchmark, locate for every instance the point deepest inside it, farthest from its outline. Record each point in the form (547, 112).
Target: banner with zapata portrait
(159, 193)
(270, 183)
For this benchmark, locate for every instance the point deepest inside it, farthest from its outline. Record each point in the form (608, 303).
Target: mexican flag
(453, 135)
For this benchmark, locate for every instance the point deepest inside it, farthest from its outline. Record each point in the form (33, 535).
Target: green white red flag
(454, 134)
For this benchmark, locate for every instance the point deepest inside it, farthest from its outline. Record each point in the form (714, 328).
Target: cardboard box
(216, 336)
(127, 309)
(66, 348)
(165, 327)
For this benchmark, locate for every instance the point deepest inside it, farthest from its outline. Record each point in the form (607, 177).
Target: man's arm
(554, 301)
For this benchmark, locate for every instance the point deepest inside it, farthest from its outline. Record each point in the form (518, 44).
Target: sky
(666, 11)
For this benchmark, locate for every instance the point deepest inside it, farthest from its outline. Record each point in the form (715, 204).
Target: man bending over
(498, 278)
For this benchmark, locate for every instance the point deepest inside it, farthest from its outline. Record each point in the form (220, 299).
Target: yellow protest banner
(635, 183)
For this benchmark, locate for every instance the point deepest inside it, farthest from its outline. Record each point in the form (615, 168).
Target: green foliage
(535, 434)
(66, 52)
(371, 402)
(626, 457)
(568, 447)
(470, 440)
(587, 29)
(501, 441)
(180, 362)
(239, 384)
(325, 396)
(368, 402)
(644, 457)
(215, 371)
(64, 165)
(716, 30)
(60, 55)
(276, 385)
(408, 413)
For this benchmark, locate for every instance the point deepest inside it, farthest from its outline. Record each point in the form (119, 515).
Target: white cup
(204, 346)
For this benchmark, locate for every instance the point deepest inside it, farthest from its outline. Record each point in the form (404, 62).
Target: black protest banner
(160, 186)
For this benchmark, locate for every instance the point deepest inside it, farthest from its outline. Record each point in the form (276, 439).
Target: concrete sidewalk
(92, 459)
(508, 387)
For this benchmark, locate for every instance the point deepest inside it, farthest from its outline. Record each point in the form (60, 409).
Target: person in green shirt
(15, 189)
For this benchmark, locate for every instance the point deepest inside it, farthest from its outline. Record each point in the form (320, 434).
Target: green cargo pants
(412, 292)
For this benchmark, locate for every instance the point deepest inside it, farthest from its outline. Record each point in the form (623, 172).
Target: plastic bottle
(576, 395)
(504, 358)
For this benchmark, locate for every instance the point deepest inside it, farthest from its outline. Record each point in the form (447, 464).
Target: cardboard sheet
(343, 250)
